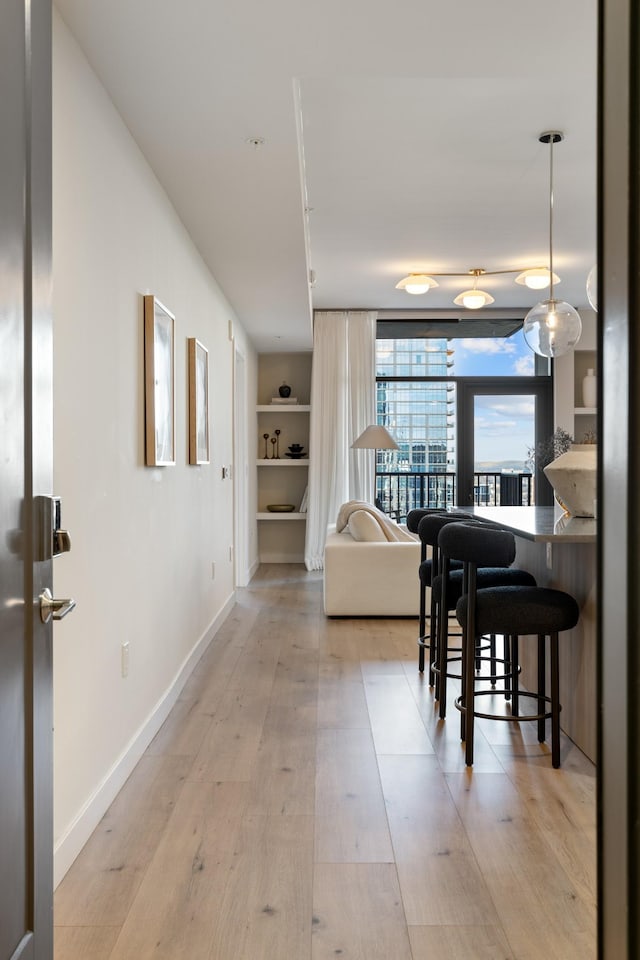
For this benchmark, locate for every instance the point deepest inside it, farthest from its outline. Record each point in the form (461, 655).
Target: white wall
(143, 539)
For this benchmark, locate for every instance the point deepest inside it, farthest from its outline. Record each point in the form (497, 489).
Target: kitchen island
(560, 551)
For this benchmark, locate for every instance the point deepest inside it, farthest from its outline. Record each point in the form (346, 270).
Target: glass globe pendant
(552, 327)
(592, 288)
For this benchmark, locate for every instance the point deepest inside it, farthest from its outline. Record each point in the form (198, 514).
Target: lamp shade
(375, 437)
(416, 283)
(474, 299)
(552, 328)
(536, 278)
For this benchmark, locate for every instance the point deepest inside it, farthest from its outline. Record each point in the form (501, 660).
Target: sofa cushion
(362, 526)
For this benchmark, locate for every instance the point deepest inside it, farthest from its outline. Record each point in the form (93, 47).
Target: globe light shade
(474, 299)
(536, 278)
(592, 288)
(416, 283)
(552, 328)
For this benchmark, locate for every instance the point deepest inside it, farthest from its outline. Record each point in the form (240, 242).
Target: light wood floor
(302, 802)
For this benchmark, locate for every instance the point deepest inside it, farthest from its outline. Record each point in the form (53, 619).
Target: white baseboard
(71, 843)
(253, 569)
(282, 558)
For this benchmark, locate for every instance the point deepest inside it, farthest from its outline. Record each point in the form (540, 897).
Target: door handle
(52, 609)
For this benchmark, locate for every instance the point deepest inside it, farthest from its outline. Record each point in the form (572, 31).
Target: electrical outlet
(213, 569)
(124, 658)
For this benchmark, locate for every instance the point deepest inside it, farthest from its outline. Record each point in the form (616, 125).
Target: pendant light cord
(551, 140)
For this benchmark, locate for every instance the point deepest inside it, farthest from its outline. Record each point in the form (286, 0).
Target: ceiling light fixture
(416, 283)
(552, 327)
(474, 299)
(536, 278)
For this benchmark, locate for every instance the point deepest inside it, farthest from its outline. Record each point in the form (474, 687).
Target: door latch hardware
(52, 609)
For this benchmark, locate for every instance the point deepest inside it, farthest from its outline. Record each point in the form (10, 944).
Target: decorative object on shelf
(284, 390)
(159, 384)
(573, 478)
(552, 327)
(296, 451)
(277, 433)
(274, 440)
(280, 507)
(265, 437)
(287, 401)
(589, 389)
(547, 450)
(198, 402)
(592, 288)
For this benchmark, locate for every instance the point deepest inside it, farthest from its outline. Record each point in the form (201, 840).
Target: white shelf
(289, 462)
(585, 411)
(281, 516)
(283, 408)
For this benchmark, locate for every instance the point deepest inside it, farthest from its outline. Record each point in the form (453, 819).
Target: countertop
(539, 524)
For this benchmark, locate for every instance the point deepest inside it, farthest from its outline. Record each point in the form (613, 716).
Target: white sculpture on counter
(573, 478)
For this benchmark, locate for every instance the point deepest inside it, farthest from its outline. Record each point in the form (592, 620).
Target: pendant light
(536, 278)
(474, 299)
(416, 283)
(592, 288)
(552, 327)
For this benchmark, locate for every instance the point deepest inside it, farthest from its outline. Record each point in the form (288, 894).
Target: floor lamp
(375, 437)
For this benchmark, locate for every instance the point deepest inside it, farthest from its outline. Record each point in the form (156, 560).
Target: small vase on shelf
(284, 390)
(589, 389)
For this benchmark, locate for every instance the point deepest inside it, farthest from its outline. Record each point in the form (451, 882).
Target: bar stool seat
(515, 609)
(497, 577)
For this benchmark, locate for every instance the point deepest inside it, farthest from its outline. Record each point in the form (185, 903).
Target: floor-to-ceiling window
(467, 414)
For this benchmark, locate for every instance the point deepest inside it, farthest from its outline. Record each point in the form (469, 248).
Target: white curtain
(343, 403)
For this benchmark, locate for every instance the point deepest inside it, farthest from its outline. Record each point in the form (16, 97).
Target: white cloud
(524, 366)
(516, 408)
(491, 345)
(495, 428)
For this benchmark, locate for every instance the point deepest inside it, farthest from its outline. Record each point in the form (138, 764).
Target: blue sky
(494, 357)
(504, 426)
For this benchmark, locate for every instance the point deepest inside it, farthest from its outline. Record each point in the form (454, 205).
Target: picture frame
(198, 402)
(159, 380)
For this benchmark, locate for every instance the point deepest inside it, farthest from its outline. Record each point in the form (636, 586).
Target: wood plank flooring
(303, 801)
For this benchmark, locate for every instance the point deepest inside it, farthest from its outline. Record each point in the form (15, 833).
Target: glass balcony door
(499, 424)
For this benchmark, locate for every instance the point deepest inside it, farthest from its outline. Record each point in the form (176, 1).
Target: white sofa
(370, 579)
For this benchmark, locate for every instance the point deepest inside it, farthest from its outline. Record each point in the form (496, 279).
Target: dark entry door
(498, 422)
(25, 473)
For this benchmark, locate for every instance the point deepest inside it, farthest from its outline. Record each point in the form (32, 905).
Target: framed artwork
(198, 402)
(159, 384)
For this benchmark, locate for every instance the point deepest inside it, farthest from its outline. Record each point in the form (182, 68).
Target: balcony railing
(398, 493)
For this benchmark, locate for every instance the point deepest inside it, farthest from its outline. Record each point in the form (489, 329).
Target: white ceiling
(409, 128)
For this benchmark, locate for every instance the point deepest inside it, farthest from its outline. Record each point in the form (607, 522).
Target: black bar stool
(450, 586)
(429, 527)
(424, 570)
(512, 611)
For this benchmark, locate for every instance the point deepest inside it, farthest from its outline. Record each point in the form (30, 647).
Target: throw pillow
(363, 526)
